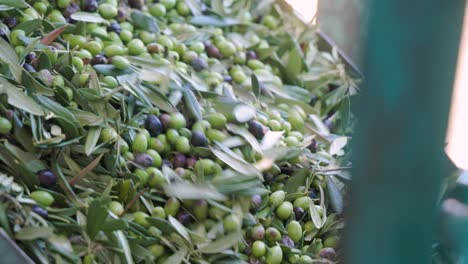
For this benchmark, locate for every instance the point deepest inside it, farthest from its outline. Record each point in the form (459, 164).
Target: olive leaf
(179, 228)
(88, 17)
(14, 3)
(97, 214)
(246, 135)
(221, 244)
(335, 196)
(238, 165)
(19, 99)
(192, 103)
(185, 190)
(177, 257)
(255, 85)
(145, 22)
(213, 21)
(33, 233)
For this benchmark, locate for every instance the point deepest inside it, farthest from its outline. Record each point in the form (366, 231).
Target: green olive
(169, 4)
(172, 206)
(43, 198)
(156, 250)
(108, 11)
(215, 135)
(274, 255)
(294, 229)
(231, 223)
(120, 62)
(284, 210)
(136, 47)
(140, 219)
(227, 48)
(177, 120)
(259, 249)
(277, 198)
(156, 177)
(183, 145)
(158, 212)
(94, 47)
(116, 208)
(217, 120)
(142, 175)
(140, 143)
(5, 125)
(157, 10)
(114, 50)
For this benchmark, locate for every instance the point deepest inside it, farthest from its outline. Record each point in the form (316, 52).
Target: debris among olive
(149, 131)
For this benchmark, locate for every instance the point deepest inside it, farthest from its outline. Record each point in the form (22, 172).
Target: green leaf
(177, 257)
(213, 21)
(33, 233)
(14, 3)
(296, 180)
(335, 196)
(179, 228)
(10, 58)
(97, 214)
(108, 69)
(185, 190)
(88, 17)
(145, 22)
(17, 98)
(194, 7)
(115, 224)
(28, 159)
(294, 65)
(315, 215)
(246, 135)
(92, 139)
(123, 242)
(255, 85)
(86, 118)
(221, 244)
(239, 166)
(192, 104)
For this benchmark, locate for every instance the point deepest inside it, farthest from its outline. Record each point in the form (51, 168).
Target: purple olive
(191, 161)
(256, 129)
(46, 178)
(10, 22)
(179, 160)
(90, 5)
(153, 125)
(256, 201)
(251, 55)
(199, 64)
(299, 213)
(199, 139)
(165, 119)
(183, 217)
(313, 146)
(99, 59)
(40, 211)
(143, 160)
(328, 253)
(287, 241)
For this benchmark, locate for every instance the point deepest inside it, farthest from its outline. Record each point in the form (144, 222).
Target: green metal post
(409, 64)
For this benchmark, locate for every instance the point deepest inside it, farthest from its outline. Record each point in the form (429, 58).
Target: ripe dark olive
(251, 55)
(121, 15)
(199, 64)
(328, 253)
(3, 35)
(164, 118)
(99, 59)
(213, 51)
(312, 194)
(313, 146)
(183, 217)
(71, 9)
(138, 4)
(258, 232)
(299, 213)
(10, 22)
(90, 5)
(313, 99)
(29, 67)
(199, 139)
(143, 160)
(153, 125)
(287, 241)
(256, 201)
(256, 129)
(46, 178)
(179, 160)
(40, 211)
(30, 57)
(227, 79)
(191, 161)
(114, 27)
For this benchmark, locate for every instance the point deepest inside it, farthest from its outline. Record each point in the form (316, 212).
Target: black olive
(183, 217)
(137, 4)
(164, 118)
(4, 35)
(287, 241)
(143, 160)
(99, 59)
(299, 213)
(90, 5)
(190, 163)
(153, 125)
(313, 99)
(256, 201)
(46, 178)
(251, 55)
(227, 79)
(212, 51)
(10, 22)
(312, 194)
(30, 57)
(179, 160)
(256, 129)
(199, 64)
(328, 253)
(199, 139)
(313, 146)
(114, 27)
(29, 67)
(71, 9)
(40, 211)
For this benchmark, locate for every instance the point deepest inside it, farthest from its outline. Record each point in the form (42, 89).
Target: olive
(199, 64)
(328, 253)
(200, 210)
(143, 160)
(274, 255)
(10, 22)
(71, 9)
(99, 59)
(40, 211)
(313, 146)
(140, 219)
(116, 208)
(156, 177)
(272, 234)
(284, 210)
(259, 249)
(156, 250)
(331, 241)
(232, 223)
(191, 161)
(287, 241)
(108, 11)
(294, 229)
(158, 212)
(46, 178)
(212, 51)
(251, 55)
(305, 259)
(157, 160)
(137, 4)
(157, 10)
(199, 139)
(179, 160)
(217, 120)
(28, 67)
(256, 201)
(140, 143)
(114, 27)
(5, 125)
(164, 118)
(177, 120)
(42, 197)
(298, 213)
(183, 217)
(172, 206)
(30, 57)
(258, 232)
(277, 198)
(256, 129)
(90, 5)
(302, 202)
